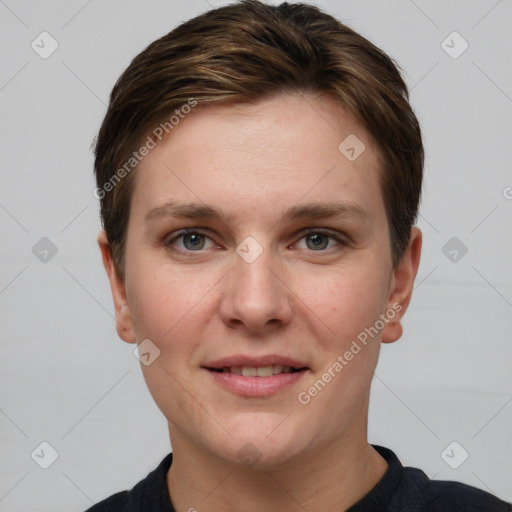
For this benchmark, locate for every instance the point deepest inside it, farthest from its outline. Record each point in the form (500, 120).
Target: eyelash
(312, 231)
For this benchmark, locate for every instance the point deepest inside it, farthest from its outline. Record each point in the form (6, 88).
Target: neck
(332, 478)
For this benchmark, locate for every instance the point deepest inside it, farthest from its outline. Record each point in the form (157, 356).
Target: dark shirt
(401, 489)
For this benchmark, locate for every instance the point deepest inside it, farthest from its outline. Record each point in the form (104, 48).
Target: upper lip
(255, 361)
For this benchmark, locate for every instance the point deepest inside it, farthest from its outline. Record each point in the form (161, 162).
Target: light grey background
(67, 379)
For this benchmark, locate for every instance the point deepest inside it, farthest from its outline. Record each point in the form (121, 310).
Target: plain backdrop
(69, 381)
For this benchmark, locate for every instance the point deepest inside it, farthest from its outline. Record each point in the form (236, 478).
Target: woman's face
(285, 262)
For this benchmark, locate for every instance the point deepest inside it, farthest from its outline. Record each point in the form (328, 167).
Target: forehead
(279, 150)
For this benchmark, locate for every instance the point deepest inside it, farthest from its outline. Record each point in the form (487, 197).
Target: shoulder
(150, 494)
(115, 503)
(418, 492)
(410, 489)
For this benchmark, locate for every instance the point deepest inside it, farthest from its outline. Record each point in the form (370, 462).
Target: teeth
(260, 371)
(277, 369)
(265, 371)
(249, 371)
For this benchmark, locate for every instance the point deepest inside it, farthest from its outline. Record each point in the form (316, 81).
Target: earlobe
(124, 324)
(402, 283)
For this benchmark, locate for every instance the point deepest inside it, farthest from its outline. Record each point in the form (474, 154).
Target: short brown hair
(242, 53)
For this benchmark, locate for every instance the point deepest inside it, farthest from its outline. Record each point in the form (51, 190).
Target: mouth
(256, 377)
(257, 371)
(258, 366)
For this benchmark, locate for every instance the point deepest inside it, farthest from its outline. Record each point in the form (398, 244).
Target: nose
(255, 294)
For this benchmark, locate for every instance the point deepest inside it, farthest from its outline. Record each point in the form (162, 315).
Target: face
(255, 245)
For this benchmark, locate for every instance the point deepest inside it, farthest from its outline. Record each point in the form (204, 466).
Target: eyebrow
(204, 211)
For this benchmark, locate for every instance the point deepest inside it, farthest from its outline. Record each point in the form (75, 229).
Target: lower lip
(253, 387)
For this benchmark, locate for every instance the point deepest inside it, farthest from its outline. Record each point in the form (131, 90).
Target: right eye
(191, 241)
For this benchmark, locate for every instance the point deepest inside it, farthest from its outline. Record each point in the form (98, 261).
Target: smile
(255, 377)
(256, 371)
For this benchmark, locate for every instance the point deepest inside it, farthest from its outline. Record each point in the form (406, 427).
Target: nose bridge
(254, 294)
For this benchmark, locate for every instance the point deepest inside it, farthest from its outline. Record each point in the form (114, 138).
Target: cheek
(349, 306)
(168, 307)
(343, 303)
(165, 300)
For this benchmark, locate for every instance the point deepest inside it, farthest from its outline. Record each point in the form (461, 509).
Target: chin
(263, 441)
(269, 457)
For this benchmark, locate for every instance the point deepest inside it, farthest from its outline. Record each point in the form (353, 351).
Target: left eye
(319, 240)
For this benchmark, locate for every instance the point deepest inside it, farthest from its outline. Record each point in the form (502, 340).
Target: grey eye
(318, 241)
(193, 241)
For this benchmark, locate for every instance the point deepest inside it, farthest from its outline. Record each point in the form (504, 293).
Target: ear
(401, 285)
(124, 323)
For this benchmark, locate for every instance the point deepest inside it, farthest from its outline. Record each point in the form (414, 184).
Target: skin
(300, 299)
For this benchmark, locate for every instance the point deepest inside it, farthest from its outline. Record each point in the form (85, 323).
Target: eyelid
(341, 238)
(325, 231)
